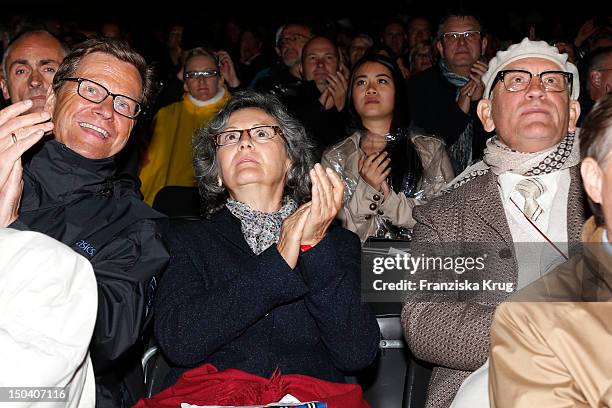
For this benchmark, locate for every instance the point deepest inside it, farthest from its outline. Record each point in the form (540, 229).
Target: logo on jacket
(85, 247)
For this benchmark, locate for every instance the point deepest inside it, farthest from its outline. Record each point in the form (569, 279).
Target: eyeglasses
(516, 80)
(201, 74)
(260, 134)
(603, 69)
(294, 37)
(96, 93)
(454, 36)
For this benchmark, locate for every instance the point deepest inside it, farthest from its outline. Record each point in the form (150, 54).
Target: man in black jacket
(71, 193)
(443, 98)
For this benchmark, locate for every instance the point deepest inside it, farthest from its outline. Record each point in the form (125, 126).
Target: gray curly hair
(205, 160)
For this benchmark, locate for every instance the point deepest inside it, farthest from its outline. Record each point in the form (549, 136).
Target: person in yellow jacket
(168, 161)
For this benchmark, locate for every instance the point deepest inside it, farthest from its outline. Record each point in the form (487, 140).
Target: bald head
(29, 64)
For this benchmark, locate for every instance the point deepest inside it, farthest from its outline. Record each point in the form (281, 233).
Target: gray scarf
(499, 159)
(260, 229)
(460, 152)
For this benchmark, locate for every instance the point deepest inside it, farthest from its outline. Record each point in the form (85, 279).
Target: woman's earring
(219, 182)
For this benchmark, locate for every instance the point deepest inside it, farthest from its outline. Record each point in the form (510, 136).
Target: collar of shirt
(606, 242)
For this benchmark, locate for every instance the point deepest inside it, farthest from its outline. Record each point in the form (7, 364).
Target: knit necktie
(531, 189)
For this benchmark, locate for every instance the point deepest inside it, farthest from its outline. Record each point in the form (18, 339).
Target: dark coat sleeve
(440, 328)
(126, 270)
(197, 313)
(434, 108)
(348, 328)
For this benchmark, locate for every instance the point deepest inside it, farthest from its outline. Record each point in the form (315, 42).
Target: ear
(50, 101)
(483, 45)
(278, 51)
(5, 91)
(485, 113)
(574, 114)
(592, 178)
(595, 77)
(301, 70)
(440, 48)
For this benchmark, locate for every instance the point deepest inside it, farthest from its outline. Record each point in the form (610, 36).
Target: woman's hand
(374, 169)
(17, 134)
(228, 72)
(291, 235)
(327, 194)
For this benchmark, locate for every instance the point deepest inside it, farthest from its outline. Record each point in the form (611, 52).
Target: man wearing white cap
(526, 189)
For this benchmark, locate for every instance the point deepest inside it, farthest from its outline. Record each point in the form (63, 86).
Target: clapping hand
(17, 134)
(309, 223)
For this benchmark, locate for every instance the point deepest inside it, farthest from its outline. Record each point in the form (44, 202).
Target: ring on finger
(14, 137)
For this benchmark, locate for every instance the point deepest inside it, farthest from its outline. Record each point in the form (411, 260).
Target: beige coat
(552, 348)
(364, 205)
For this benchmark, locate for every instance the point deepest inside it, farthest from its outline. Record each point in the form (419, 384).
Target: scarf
(499, 159)
(460, 152)
(260, 229)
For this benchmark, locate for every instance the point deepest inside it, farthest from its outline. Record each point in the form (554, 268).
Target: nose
(105, 108)
(535, 88)
(36, 79)
(370, 89)
(245, 140)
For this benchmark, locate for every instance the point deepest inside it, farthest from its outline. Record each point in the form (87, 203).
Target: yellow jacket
(169, 158)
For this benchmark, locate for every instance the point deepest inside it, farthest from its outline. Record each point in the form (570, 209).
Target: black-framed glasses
(201, 74)
(259, 134)
(454, 36)
(516, 80)
(97, 93)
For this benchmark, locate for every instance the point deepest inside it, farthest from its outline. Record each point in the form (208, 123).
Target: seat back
(155, 369)
(177, 201)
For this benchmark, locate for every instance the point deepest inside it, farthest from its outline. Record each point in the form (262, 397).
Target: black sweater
(220, 303)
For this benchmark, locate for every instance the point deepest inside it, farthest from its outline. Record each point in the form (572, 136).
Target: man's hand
(17, 134)
(474, 89)
(228, 72)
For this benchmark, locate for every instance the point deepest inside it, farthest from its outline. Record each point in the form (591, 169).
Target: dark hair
(118, 49)
(404, 157)
(596, 142)
(400, 105)
(297, 143)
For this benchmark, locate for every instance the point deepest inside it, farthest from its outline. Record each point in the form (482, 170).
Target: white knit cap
(527, 49)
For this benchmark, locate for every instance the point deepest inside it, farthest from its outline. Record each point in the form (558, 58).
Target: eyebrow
(376, 76)
(39, 62)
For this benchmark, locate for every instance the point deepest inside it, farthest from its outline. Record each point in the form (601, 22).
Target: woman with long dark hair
(386, 170)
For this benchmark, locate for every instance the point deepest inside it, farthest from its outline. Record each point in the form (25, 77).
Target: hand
(337, 85)
(587, 30)
(228, 72)
(327, 195)
(326, 99)
(27, 130)
(291, 235)
(374, 169)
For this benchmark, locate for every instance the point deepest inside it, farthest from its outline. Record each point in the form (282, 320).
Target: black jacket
(434, 109)
(76, 201)
(220, 303)
(326, 127)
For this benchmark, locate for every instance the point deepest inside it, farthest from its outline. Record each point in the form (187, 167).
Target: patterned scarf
(460, 152)
(260, 229)
(499, 159)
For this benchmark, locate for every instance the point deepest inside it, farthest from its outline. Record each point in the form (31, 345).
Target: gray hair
(63, 46)
(205, 160)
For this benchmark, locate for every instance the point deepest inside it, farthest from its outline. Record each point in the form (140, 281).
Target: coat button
(373, 206)
(380, 212)
(376, 197)
(368, 216)
(505, 253)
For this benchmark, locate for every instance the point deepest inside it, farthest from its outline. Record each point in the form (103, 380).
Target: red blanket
(206, 385)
